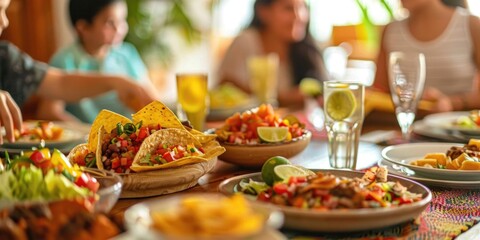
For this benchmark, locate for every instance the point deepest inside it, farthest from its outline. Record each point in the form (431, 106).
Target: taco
(115, 140)
(172, 147)
(117, 148)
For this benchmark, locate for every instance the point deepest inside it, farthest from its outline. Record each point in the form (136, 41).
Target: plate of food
(410, 174)
(226, 99)
(47, 133)
(252, 137)
(153, 152)
(448, 161)
(203, 216)
(335, 200)
(465, 122)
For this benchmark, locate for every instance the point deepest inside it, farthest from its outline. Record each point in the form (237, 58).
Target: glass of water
(406, 72)
(344, 110)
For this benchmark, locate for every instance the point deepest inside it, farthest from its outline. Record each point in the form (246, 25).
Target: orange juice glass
(192, 93)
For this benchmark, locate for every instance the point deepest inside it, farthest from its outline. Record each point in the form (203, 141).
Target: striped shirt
(450, 65)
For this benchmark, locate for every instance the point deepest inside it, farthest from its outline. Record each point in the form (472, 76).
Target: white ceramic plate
(403, 154)
(139, 222)
(422, 128)
(408, 173)
(73, 133)
(446, 120)
(343, 220)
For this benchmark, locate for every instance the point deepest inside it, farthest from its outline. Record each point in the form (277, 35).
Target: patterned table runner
(450, 213)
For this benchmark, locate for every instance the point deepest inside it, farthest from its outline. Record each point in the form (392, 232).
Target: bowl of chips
(201, 216)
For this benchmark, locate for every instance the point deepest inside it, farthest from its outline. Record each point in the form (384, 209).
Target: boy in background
(100, 26)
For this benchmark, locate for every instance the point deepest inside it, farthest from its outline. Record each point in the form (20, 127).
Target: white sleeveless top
(450, 65)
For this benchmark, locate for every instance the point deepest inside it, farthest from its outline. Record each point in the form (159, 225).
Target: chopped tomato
(168, 156)
(143, 133)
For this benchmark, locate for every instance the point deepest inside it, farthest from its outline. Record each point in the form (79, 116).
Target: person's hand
(10, 116)
(135, 95)
(439, 102)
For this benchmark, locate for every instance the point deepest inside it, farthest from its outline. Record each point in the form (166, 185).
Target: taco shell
(106, 119)
(157, 113)
(173, 136)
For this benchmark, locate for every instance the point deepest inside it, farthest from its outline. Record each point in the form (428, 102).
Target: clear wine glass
(406, 72)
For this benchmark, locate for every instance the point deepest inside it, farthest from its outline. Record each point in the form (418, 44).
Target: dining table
(452, 213)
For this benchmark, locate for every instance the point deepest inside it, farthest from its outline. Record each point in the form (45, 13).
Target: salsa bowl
(253, 156)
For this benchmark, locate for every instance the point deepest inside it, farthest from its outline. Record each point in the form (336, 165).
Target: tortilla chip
(157, 113)
(173, 136)
(106, 119)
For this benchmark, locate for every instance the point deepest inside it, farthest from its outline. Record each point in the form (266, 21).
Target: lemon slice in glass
(284, 172)
(341, 104)
(272, 134)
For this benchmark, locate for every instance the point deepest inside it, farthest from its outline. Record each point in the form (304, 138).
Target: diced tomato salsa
(242, 128)
(121, 145)
(165, 154)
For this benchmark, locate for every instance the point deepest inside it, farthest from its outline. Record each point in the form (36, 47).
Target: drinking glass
(344, 110)
(263, 70)
(192, 93)
(406, 73)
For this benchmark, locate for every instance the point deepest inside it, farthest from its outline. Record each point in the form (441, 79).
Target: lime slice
(269, 165)
(284, 172)
(341, 104)
(272, 134)
(310, 87)
(308, 171)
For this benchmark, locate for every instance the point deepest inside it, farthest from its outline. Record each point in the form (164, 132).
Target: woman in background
(449, 37)
(281, 27)
(100, 26)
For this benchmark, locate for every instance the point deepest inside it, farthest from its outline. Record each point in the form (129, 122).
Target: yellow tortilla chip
(106, 119)
(170, 137)
(157, 113)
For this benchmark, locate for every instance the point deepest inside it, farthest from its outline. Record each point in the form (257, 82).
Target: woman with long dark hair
(280, 27)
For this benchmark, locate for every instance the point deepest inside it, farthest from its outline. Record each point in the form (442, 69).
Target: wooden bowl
(253, 156)
(165, 181)
(159, 182)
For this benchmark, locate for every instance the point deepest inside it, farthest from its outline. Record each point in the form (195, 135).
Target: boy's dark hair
(87, 9)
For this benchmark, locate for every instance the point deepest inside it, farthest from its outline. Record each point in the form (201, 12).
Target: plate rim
(80, 136)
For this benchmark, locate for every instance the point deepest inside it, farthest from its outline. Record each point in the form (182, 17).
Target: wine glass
(406, 78)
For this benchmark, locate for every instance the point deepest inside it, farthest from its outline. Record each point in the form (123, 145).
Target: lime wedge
(269, 165)
(341, 104)
(308, 171)
(310, 87)
(284, 172)
(272, 134)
